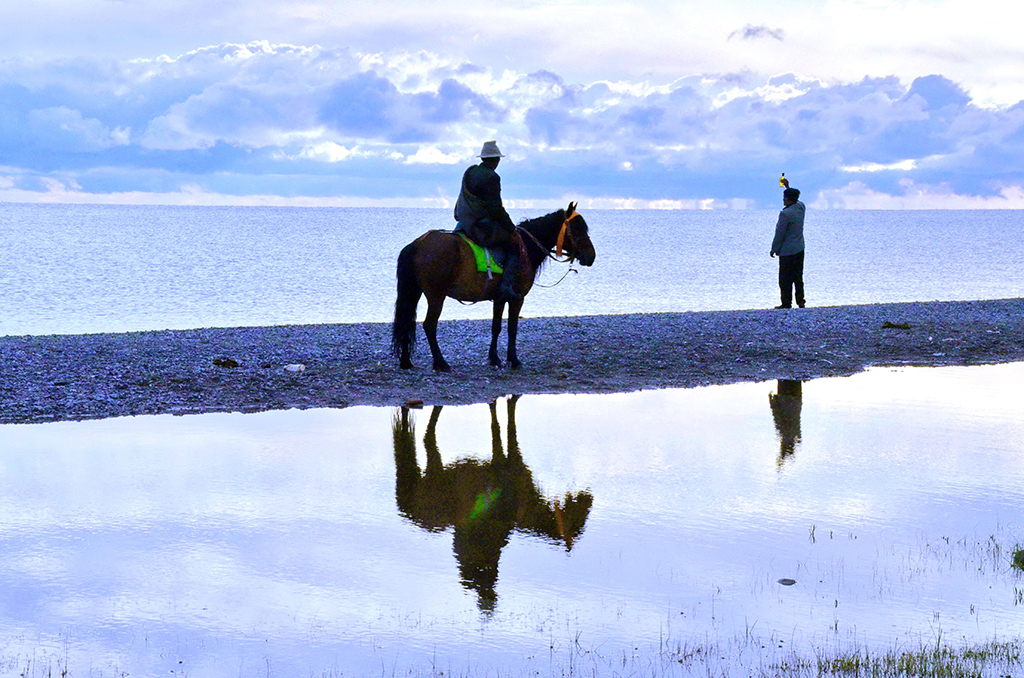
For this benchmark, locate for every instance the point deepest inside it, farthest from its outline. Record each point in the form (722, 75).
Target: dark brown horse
(440, 264)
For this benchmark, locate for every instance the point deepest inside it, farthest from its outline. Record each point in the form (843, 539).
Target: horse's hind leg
(403, 332)
(434, 306)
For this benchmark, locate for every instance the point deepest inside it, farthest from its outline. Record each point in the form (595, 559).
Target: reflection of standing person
(482, 217)
(789, 245)
(786, 406)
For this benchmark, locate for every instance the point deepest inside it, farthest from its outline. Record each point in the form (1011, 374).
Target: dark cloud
(454, 102)
(362, 105)
(367, 105)
(749, 32)
(550, 125)
(938, 92)
(644, 117)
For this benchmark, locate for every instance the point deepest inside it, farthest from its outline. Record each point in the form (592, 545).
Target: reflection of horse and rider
(483, 501)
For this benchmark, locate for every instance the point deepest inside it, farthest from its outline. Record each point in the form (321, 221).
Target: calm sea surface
(76, 269)
(634, 534)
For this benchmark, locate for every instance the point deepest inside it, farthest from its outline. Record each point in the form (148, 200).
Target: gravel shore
(249, 369)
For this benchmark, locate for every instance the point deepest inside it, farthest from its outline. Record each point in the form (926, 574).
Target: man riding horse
(483, 219)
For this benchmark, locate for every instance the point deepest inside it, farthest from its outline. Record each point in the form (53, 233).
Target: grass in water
(995, 659)
(990, 659)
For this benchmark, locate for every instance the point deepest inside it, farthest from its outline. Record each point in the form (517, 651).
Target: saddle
(485, 260)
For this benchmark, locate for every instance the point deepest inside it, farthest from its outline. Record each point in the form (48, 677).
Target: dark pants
(791, 274)
(486, 233)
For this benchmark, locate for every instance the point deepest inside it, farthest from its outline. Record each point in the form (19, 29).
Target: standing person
(789, 245)
(482, 217)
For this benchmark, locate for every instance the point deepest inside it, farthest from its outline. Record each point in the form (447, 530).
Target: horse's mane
(544, 229)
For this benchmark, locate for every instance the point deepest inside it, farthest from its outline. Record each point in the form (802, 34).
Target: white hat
(490, 150)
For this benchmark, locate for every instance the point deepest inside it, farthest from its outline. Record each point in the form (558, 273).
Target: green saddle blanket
(484, 259)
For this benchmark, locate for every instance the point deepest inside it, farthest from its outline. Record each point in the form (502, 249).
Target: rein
(557, 282)
(559, 244)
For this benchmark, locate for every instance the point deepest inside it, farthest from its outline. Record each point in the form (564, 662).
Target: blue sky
(862, 103)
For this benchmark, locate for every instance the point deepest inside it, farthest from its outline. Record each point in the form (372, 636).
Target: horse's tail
(403, 330)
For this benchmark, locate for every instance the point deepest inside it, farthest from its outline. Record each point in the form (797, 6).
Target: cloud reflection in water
(896, 492)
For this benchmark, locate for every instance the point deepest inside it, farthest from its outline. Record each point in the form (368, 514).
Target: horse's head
(576, 241)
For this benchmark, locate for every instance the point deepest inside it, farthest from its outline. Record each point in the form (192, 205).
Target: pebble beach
(251, 369)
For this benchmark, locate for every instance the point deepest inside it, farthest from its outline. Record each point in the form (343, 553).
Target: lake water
(75, 268)
(632, 534)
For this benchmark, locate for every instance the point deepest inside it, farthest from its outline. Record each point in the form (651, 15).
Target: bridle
(560, 241)
(562, 232)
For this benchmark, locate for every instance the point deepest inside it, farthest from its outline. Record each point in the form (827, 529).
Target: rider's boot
(510, 276)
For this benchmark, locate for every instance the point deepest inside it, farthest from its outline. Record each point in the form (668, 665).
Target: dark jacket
(789, 232)
(479, 210)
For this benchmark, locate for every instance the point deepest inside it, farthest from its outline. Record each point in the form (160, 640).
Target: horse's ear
(571, 209)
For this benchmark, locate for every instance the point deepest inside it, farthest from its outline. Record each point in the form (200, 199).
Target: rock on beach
(250, 369)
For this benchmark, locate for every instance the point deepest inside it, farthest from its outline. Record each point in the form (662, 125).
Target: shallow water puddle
(545, 533)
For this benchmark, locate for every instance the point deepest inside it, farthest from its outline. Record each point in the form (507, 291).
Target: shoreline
(92, 376)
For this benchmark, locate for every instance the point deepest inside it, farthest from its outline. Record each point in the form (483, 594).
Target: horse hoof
(442, 367)
(515, 364)
(406, 365)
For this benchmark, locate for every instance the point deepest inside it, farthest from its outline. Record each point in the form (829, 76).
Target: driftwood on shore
(247, 369)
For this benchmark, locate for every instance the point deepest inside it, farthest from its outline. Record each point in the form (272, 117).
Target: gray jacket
(789, 232)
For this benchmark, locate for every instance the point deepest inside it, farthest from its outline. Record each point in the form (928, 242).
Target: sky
(864, 104)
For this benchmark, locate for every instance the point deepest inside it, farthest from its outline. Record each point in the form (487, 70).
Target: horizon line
(1008, 199)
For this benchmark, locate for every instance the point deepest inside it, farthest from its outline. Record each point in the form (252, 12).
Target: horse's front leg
(434, 306)
(499, 309)
(513, 329)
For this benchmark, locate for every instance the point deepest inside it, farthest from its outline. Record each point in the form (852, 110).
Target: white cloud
(172, 132)
(191, 194)
(67, 129)
(902, 165)
(256, 118)
(637, 204)
(789, 86)
(326, 152)
(583, 40)
(858, 196)
(430, 155)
